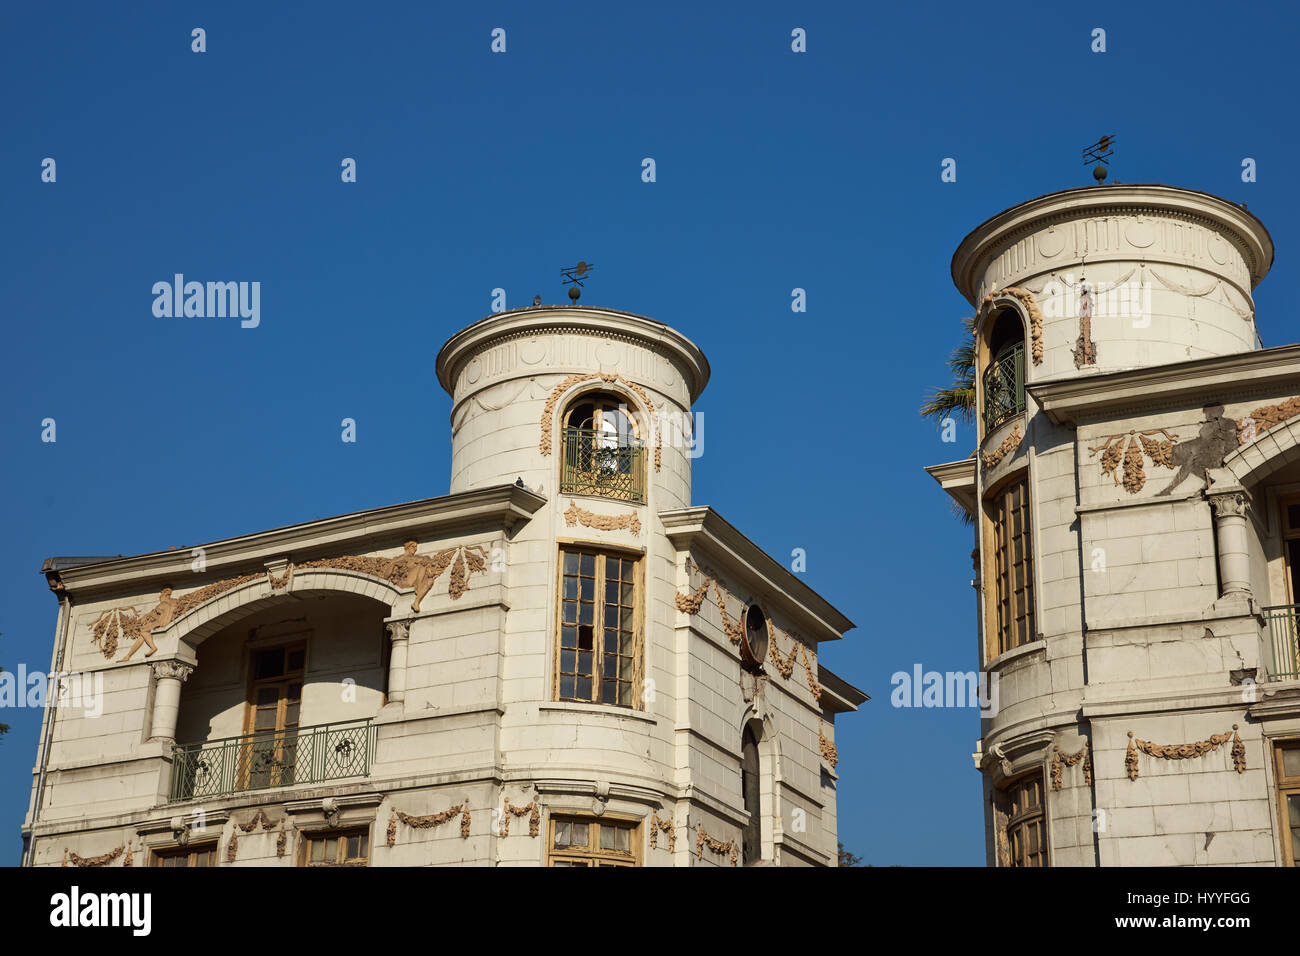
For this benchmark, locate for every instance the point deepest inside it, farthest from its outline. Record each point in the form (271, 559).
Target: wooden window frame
(1019, 822)
(1285, 787)
(1009, 611)
(157, 854)
(285, 644)
(341, 834)
(602, 553)
(592, 854)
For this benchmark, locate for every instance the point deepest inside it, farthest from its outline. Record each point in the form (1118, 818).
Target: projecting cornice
(627, 326)
(1220, 378)
(730, 552)
(501, 506)
(1226, 218)
(958, 479)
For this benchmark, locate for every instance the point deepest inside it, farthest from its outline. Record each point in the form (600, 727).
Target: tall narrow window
(751, 840)
(1014, 571)
(1026, 822)
(602, 453)
(598, 653)
(269, 753)
(1288, 799)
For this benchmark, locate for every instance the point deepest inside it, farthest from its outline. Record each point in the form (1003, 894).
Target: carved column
(1230, 530)
(399, 632)
(167, 697)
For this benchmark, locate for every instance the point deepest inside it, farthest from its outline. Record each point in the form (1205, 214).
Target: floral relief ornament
(1185, 751)
(1129, 448)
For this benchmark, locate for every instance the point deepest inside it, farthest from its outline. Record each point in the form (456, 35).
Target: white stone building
(1136, 496)
(561, 662)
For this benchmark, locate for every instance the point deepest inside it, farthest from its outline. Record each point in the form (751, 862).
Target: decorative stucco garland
(259, 817)
(1266, 417)
(1025, 298)
(412, 570)
(431, 820)
(102, 860)
(531, 809)
(1009, 444)
(784, 664)
(590, 519)
(667, 826)
(829, 752)
(1113, 451)
(1185, 751)
(691, 603)
(548, 411)
(1061, 760)
(703, 840)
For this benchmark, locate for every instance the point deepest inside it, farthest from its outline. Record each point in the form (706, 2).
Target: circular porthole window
(753, 648)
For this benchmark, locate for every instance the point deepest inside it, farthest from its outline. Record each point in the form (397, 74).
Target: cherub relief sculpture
(1195, 457)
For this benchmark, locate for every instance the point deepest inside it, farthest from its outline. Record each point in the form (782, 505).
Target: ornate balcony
(267, 759)
(1004, 387)
(602, 463)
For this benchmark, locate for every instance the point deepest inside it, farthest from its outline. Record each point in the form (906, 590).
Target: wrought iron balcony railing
(1004, 387)
(600, 463)
(272, 758)
(1284, 632)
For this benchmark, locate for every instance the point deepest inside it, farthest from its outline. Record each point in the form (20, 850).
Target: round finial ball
(574, 292)
(1099, 173)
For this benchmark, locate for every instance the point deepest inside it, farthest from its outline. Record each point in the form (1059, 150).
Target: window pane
(584, 688)
(562, 832)
(579, 834)
(570, 563)
(297, 659)
(570, 588)
(584, 662)
(1291, 762)
(567, 660)
(566, 687)
(588, 565)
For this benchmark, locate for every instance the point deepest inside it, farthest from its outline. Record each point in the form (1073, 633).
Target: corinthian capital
(1229, 503)
(177, 670)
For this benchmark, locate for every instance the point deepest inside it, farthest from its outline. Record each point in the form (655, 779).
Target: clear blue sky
(775, 170)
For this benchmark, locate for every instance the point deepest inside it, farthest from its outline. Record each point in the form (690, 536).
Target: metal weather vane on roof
(1097, 155)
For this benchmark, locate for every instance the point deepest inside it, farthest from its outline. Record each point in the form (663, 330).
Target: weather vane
(1097, 156)
(573, 277)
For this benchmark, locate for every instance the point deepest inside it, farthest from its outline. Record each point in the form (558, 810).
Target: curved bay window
(603, 453)
(1004, 377)
(1013, 566)
(1026, 822)
(598, 655)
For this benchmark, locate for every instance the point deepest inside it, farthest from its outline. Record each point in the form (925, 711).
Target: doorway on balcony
(1283, 620)
(271, 723)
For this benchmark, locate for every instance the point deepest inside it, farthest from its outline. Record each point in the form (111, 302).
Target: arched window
(603, 451)
(751, 840)
(1004, 377)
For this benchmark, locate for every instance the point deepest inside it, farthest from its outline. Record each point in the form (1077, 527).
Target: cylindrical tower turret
(1118, 276)
(575, 399)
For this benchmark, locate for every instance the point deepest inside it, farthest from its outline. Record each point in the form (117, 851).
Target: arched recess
(1271, 451)
(336, 617)
(1003, 361)
(762, 731)
(604, 434)
(196, 625)
(563, 395)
